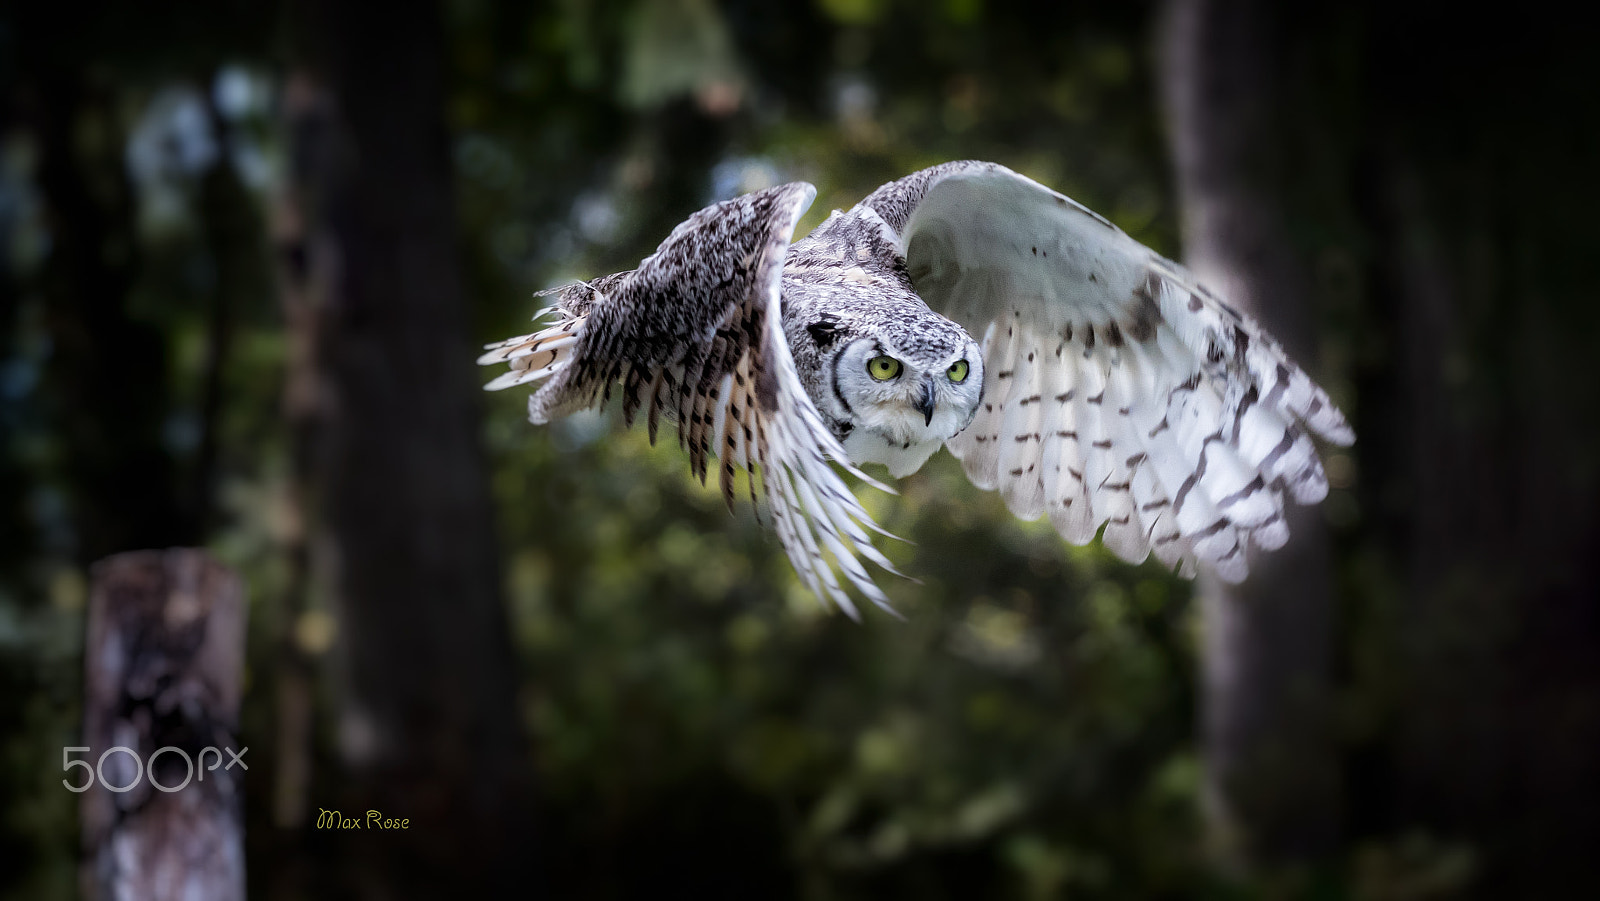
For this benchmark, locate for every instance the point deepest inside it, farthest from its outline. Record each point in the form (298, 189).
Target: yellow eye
(883, 368)
(958, 371)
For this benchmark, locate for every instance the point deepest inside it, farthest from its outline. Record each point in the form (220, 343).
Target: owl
(1064, 364)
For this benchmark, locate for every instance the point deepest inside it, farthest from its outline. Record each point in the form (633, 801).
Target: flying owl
(1064, 363)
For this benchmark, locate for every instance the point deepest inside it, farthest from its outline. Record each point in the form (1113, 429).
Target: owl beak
(924, 404)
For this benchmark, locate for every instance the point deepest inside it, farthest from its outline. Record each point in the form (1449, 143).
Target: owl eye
(958, 371)
(883, 368)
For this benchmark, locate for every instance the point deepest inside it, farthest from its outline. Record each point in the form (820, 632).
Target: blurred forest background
(246, 253)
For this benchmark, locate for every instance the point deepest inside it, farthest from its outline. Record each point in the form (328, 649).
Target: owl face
(906, 401)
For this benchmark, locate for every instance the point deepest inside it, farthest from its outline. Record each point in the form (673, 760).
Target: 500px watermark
(146, 769)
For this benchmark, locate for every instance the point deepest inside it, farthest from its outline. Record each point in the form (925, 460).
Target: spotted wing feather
(695, 335)
(1120, 392)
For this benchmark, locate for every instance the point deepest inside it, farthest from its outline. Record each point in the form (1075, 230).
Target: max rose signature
(374, 821)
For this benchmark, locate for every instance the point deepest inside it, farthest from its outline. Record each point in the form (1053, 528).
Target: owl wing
(1118, 390)
(695, 334)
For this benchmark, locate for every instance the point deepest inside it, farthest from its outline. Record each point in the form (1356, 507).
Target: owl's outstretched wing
(695, 334)
(1118, 390)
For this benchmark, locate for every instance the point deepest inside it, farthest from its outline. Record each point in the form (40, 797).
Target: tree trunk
(428, 728)
(162, 803)
(304, 304)
(1271, 791)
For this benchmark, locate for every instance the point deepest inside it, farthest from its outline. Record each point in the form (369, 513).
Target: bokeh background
(246, 250)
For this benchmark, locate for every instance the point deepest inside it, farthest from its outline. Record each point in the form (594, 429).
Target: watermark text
(372, 822)
(145, 769)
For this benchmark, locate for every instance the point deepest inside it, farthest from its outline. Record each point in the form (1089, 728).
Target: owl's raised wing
(1118, 390)
(695, 334)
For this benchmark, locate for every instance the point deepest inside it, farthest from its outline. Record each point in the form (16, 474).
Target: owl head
(908, 386)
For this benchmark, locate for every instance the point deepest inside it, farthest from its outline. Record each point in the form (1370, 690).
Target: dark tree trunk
(428, 728)
(305, 303)
(1272, 790)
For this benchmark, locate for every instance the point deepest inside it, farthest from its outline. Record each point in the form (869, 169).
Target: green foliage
(1029, 721)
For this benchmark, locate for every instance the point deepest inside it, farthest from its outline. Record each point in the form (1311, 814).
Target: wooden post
(162, 813)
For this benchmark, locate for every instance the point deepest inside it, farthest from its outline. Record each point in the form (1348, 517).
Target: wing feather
(1162, 413)
(1064, 485)
(978, 446)
(695, 333)
(1021, 450)
(1123, 534)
